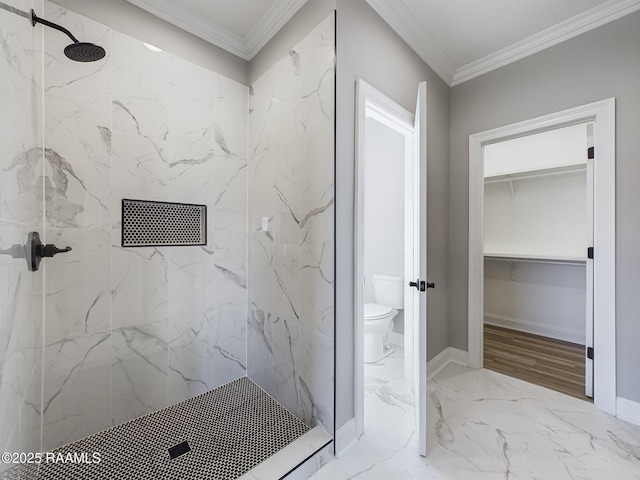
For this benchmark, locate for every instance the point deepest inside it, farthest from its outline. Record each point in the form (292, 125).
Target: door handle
(421, 285)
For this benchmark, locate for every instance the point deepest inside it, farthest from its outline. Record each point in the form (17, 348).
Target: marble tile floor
(484, 425)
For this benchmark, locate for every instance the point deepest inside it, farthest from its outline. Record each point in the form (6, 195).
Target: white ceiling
(469, 30)
(241, 27)
(240, 16)
(459, 39)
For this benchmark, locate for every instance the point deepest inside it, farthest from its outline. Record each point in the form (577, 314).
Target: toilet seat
(373, 311)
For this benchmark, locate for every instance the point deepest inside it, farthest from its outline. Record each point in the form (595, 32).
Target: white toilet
(378, 317)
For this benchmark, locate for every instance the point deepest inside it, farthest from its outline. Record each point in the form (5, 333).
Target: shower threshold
(234, 431)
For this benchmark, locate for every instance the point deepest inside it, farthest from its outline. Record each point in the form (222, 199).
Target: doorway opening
(387, 325)
(602, 354)
(390, 387)
(538, 281)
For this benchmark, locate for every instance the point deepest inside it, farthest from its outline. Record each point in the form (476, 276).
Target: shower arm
(35, 20)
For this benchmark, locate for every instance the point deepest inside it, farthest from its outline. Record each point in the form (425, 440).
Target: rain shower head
(84, 52)
(77, 51)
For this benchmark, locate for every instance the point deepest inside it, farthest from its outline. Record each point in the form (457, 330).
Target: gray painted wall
(369, 49)
(599, 64)
(306, 19)
(134, 21)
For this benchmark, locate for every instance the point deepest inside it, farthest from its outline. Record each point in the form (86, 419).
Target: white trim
(404, 23)
(276, 16)
(603, 114)
(535, 328)
(457, 356)
(191, 22)
(628, 410)
(346, 437)
(444, 358)
(419, 209)
(588, 362)
(572, 27)
(366, 97)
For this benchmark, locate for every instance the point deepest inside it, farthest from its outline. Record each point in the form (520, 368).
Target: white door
(588, 364)
(414, 128)
(420, 267)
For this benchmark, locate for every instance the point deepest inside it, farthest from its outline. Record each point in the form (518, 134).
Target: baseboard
(445, 357)
(628, 410)
(559, 333)
(346, 437)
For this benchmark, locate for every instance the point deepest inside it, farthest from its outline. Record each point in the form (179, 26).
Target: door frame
(367, 97)
(602, 113)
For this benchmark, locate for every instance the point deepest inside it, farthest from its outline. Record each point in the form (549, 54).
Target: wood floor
(544, 361)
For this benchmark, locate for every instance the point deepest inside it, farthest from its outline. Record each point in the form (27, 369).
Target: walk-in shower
(170, 357)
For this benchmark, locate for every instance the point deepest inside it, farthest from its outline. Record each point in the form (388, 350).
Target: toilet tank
(389, 290)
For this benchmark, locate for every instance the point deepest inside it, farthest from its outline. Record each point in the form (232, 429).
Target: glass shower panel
(21, 192)
(291, 243)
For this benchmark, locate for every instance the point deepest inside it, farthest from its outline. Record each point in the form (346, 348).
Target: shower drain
(179, 449)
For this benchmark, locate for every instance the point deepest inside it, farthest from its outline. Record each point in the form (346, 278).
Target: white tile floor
(484, 425)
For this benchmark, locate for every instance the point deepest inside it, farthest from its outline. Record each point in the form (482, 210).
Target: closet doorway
(517, 269)
(538, 281)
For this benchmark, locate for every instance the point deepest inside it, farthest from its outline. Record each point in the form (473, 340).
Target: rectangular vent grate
(151, 224)
(179, 449)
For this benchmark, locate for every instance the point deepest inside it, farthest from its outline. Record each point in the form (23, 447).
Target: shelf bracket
(512, 266)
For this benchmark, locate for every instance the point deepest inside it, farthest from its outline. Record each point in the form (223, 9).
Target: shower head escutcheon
(77, 51)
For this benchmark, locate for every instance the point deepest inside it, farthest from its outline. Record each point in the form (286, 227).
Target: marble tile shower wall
(20, 213)
(291, 229)
(132, 330)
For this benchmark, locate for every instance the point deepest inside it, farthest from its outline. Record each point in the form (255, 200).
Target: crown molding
(191, 22)
(572, 27)
(276, 16)
(404, 23)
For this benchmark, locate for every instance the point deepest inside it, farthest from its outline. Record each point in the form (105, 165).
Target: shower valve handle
(50, 250)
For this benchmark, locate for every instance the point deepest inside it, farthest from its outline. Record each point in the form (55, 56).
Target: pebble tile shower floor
(229, 430)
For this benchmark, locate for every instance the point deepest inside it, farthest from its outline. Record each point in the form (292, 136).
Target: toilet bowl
(378, 323)
(378, 315)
